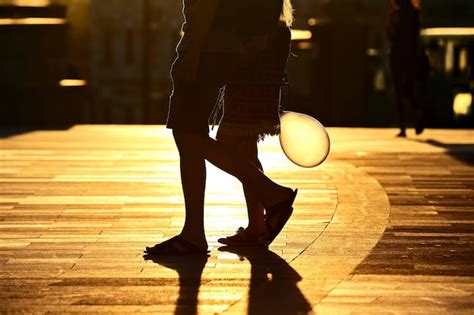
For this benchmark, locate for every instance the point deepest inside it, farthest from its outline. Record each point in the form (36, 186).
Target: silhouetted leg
(193, 180)
(255, 212)
(418, 105)
(400, 101)
(228, 160)
(193, 148)
(399, 89)
(255, 209)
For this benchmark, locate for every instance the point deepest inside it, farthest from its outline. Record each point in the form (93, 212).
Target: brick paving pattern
(385, 226)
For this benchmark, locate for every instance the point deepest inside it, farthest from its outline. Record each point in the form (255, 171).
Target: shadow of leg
(273, 285)
(189, 269)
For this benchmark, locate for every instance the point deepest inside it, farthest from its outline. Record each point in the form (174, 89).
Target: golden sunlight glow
(305, 45)
(312, 22)
(449, 56)
(463, 59)
(379, 80)
(416, 3)
(72, 82)
(303, 139)
(301, 35)
(462, 104)
(448, 31)
(32, 21)
(372, 52)
(32, 3)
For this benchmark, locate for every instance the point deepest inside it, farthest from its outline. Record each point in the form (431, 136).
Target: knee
(188, 142)
(180, 137)
(247, 150)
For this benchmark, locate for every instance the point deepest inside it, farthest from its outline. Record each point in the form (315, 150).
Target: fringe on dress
(248, 107)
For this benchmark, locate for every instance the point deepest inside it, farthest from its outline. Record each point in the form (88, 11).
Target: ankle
(283, 194)
(254, 231)
(198, 240)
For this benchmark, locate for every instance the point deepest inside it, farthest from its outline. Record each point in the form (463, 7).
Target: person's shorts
(191, 103)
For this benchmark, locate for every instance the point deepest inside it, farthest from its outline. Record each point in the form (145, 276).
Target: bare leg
(249, 150)
(255, 211)
(399, 89)
(225, 158)
(193, 148)
(193, 180)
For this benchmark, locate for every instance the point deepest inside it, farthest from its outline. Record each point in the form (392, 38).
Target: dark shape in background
(34, 65)
(122, 51)
(342, 77)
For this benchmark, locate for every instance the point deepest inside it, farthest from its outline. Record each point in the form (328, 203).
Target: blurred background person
(407, 61)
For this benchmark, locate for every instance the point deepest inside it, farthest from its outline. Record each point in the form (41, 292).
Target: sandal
(176, 246)
(242, 238)
(182, 264)
(277, 216)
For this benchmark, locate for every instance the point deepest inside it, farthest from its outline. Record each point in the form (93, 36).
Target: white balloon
(304, 140)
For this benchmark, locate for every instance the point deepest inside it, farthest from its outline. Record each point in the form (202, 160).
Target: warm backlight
(32, 21)
(304, 139)
(301, 35)
(448, 31)
(72, 82)
(462, 104)
(32, 3)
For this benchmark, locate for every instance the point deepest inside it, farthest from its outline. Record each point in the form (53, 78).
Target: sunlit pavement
(385, 226)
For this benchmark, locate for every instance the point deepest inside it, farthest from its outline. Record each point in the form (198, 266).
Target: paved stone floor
(385, 226)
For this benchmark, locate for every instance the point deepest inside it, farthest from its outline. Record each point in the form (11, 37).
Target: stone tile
(383, 227)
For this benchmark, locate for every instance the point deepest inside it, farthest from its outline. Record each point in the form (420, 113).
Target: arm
(199, 19)
(200, 22)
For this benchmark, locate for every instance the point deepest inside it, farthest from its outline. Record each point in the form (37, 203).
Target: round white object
(304, 139)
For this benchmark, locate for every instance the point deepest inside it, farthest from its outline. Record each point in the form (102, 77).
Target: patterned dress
(250, 101)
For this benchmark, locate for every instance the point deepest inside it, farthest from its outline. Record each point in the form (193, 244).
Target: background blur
(66, 62)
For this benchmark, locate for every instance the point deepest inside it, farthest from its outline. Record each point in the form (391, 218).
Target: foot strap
(175, 246)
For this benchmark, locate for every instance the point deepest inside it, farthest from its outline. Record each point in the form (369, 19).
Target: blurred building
(341, 73)
(83, 61)
(133, 45)
(449, 41)
(108, 61)
(38, 83)
(78, 18)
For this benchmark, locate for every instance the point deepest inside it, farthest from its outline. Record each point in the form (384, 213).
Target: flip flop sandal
(176, 246)
(190, 264)
(241, 239)
(277, 216)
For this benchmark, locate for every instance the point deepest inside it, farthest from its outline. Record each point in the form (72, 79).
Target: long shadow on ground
(189, 269)
(272, 288)
(273, 284)
(460, 151)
